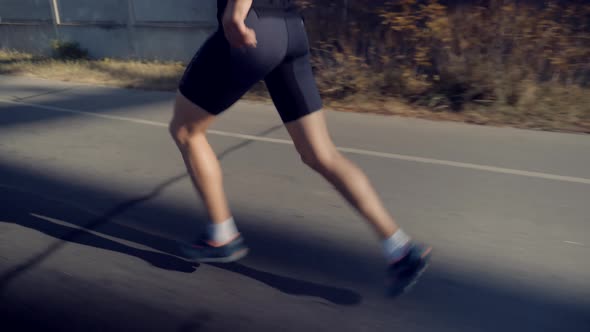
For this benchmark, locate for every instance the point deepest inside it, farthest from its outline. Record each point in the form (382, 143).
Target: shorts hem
(197, 102)
(287, 120)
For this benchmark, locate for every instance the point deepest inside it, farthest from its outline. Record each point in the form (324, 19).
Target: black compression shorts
(219, 75)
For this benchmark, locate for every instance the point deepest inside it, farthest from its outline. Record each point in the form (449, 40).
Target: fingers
(243, 40)
(250, 38)
(240, 36)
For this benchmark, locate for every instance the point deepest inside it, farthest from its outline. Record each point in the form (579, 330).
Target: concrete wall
(33, 39)
(94, 11)
(25, 10)
(144, 29)
(182, 11)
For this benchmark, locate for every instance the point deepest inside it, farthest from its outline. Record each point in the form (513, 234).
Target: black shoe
(404, 274)
(205, 251)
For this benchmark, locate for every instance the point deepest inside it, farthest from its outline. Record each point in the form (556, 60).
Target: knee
(177, 131)
(174, 130)
(185, 134)
(321, 161)
(189, 122)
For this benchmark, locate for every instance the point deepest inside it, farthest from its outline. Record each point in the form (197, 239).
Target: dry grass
(118, 73)
(501, 62)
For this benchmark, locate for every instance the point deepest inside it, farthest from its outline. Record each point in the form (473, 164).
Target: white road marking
(574, 243)
(116, 220)
(61, 222)
(386, 155)
(99, 234)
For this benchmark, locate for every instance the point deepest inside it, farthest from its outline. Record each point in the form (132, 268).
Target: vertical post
(131, 27)
(55, 17)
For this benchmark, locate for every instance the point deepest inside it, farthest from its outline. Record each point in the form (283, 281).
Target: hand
(238, 34)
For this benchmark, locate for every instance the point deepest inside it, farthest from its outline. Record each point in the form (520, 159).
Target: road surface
(94, 196)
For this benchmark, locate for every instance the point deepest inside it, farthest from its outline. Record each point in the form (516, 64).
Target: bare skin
(309, 134)
(236, 31)
(188, 128)
(312, 140)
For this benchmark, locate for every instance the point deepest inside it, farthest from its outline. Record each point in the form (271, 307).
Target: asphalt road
(94, 196)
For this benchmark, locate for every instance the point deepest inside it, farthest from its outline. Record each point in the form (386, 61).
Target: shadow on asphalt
(166, 257)
(450, 300)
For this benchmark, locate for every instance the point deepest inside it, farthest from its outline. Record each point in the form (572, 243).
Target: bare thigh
(311, 138)
(189, 118)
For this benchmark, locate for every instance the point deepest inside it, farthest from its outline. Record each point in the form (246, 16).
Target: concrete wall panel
(25, 10)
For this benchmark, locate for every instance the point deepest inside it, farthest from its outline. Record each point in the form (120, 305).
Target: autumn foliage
(456, 55)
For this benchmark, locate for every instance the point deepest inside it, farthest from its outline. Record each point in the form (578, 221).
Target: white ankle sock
(395, 247)
(222, 232)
